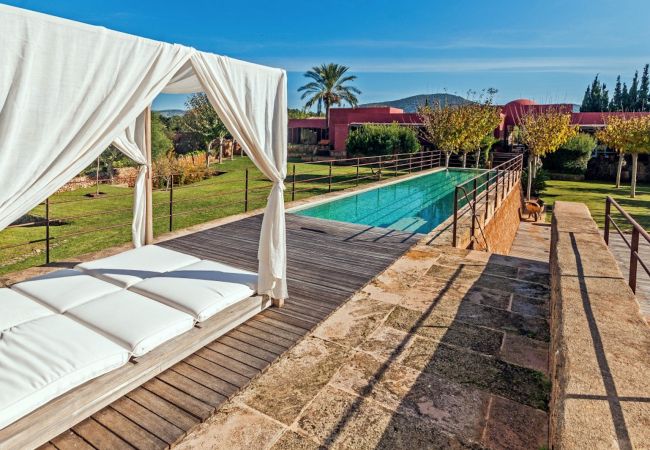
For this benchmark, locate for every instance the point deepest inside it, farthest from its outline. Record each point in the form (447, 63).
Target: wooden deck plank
(326, 263)
(168, 411)
(238, 355)
(151, 422)
(217, 370)
(179, 398)
(249, 349)
(216, 384)
(99, 437)
(191, 387)
(225, 361)
(70, 441)
(130, 432)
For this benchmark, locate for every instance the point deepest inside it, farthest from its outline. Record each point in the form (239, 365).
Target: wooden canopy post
(148, 236)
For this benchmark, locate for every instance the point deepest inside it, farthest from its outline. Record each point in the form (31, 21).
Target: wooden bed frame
(67, 410)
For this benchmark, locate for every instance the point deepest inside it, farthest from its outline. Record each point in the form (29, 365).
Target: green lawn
(200, 202)
(593, 194)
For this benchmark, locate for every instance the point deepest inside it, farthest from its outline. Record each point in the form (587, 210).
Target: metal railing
(490, 187)
(177, 205)
(632, 244)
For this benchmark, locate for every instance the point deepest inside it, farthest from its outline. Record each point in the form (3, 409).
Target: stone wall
(600, 345)
(501, 228)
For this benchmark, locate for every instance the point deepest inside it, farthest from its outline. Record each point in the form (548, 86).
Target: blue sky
(545, 50)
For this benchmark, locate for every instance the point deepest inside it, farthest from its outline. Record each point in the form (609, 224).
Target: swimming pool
(416, 205)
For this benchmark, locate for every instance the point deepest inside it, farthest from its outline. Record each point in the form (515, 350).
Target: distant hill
(410, 104)
(171, 112)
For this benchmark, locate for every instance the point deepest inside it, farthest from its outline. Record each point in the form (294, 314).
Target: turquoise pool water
(416, 205)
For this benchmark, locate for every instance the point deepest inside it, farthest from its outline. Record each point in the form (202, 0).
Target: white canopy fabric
(68, 90)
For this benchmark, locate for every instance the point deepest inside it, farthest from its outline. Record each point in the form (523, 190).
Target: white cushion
(202, 289)
(132, 266)
(65, 289)
(43, 358)
(16, 309)
(137, 323)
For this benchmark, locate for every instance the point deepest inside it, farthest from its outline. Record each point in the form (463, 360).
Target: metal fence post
(47, 230)
(455, 228)
(329, 187)
(293, 183)
(487, 195)
(473, 213)
(171, 202)
(608, 211)
(380, 165)
(634, 258)
(496, 191)
(357, 179)
(410, 162)
(246, 192)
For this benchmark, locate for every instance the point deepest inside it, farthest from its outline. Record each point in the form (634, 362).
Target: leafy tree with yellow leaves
(480, 119)
(543, 132)
(442, 127)
(627, 135)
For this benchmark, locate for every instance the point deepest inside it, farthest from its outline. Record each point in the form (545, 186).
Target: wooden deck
(327, 263)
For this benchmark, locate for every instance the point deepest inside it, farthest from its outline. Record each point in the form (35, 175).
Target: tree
(442, 127)
(160, 141)
(328, 87)
(644, 91)
(633, 93)
(617, 99)
(615, 136)
(543, 132)
(479, 119)
(202, 119)
(625, 99)
(640, 131)
(627, 135)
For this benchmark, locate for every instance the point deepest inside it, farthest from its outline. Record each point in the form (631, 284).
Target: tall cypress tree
(625, 98)
(604, 99)
(615, 104)
(586, 101)
(633, 93)
(644, 91)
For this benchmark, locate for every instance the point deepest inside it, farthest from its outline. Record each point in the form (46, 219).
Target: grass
(106, 221)
(593, 194)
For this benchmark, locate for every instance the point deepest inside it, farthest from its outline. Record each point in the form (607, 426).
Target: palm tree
(327, 87)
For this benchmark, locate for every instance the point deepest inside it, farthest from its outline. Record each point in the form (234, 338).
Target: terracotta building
(342, 120)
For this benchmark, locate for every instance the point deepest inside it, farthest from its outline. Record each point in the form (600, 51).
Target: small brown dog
(533, 208)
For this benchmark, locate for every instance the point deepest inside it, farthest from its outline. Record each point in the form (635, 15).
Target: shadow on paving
(480, 352)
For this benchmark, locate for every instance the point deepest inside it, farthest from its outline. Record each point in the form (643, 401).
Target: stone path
(533, 241)
(447, 348)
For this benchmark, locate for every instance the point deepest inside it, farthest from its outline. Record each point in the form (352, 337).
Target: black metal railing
(481, 194)
(632, 243)
(177, 204)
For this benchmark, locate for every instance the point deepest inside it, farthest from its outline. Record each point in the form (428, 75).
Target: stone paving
(447, 348)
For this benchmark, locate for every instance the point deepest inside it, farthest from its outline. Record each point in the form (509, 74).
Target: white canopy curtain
(67, 90)
(132, 142)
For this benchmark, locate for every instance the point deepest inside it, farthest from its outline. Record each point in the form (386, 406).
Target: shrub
(187, 169)
(573, 156)
(375, 140)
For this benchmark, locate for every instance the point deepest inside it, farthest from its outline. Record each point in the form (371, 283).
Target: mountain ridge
(411, 104)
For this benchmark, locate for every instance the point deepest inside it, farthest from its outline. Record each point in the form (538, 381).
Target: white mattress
(201, 289)
(136, 323)
(16, 309)
(43, 358)
(133, 266)
(65, 289)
